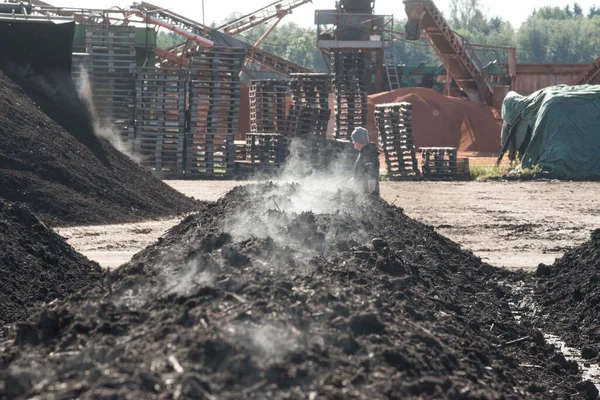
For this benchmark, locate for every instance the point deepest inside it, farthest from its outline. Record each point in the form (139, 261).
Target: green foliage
(550, 35)
(560, 35)
(166, 39)
(481, 173)
(292, 42)
(410, 52)
(532, 172)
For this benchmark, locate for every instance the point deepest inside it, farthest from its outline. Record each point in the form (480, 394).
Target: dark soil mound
(36, 264)
(568, 293)
(76, 178)
(257, 297)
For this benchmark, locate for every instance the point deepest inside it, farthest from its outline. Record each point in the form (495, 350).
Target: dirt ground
(508, 224)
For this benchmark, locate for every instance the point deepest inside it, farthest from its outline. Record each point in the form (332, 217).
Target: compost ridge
(72, 177)
(36, 264)
(256, 296)
(568, 296)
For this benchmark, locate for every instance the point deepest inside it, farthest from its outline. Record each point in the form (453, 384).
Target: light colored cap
(360, 135)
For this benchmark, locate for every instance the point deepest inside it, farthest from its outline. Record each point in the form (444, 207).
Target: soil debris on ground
(289, 291)
(36, 264)
(73, 178)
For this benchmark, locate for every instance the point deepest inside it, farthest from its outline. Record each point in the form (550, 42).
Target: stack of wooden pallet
(350, 90)
(268, 105)
(394, 123)
(324, 154)
(266, 148)
(214, 102)
(443, 163)
(111, 66)
(160, 119)
(264, 154)
(309, 112)
(80, 66)
(240, 150)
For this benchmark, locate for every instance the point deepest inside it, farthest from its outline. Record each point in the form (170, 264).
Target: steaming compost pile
(36, 264)
(569, 292)
(442, 121)
(290, 291)
(72, 178)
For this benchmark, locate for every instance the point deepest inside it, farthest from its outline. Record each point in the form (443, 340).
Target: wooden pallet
(160, 119)
(248, 170)
(270, 148)
(240, 150)
(214, 106)
(110, 64)
(268, 106)
(350, 92)
(320, 153)
(442, 162)
(309, 112)
(396, 139)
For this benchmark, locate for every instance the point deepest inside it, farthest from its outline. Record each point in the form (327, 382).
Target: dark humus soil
(71, 178)
(255, 297)
(36, 265)
(568, 293)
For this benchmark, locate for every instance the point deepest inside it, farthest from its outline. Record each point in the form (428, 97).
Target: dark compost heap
(568, 294)
(36, 264)
(69, 176)
(257, 297)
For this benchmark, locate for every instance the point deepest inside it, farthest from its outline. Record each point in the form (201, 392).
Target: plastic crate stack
(442, 163)
(309, 113)
(160, 119)
(111, 68)
(214, 102)
(350, 90)
(268, 105)
(394, 124)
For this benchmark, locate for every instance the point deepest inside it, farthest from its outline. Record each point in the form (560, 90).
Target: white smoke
(199, 270)
(268, 341)
(170, 273)
(317, 187)
(299, 188)
(103, 127)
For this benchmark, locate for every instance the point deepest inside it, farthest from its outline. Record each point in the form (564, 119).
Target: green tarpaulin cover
(565, 124)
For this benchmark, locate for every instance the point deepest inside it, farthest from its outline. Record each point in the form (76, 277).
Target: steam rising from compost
(299, 215)
(268, 341)
(103, 128)
(286, 212)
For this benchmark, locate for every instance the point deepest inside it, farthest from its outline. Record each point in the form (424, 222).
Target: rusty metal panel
(529, 83)
(533, 77)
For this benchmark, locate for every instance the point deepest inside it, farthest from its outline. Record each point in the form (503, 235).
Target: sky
(516, 11)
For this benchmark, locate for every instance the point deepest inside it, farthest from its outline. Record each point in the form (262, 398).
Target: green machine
(434, 76)
(421, 75)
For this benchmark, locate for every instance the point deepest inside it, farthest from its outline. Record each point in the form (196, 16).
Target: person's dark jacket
(366, 167)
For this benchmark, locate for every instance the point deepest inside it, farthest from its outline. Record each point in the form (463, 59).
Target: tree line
(561, 35)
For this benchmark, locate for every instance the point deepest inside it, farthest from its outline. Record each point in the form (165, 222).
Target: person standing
(366, 167)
